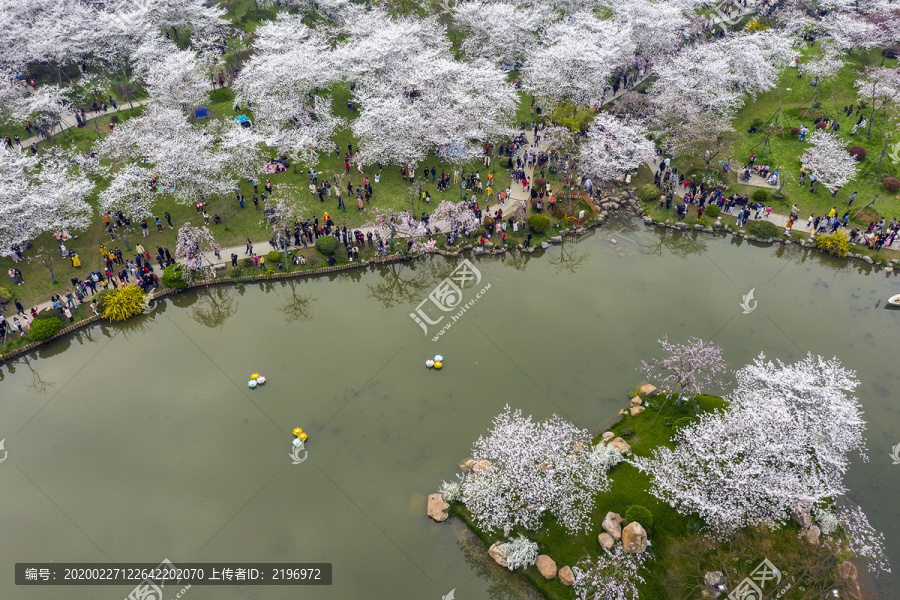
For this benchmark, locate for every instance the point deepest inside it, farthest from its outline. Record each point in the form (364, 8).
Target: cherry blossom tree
(879, 86)
(195, 246)
(657, 28)
(129, 193)
(827, 158)
(692, 367)
(575, 57)
(188, 163)
(525, 468)
(497, 30)
(614, 575)
(786, 436)
(613, 148)
(39, 196)
(174, 78)
(413, 97)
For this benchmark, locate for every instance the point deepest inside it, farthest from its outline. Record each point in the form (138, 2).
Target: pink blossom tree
(195, 246)
(692, 367)
(614, 575)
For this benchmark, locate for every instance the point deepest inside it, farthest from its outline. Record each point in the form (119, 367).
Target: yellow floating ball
(254, 376)
(297, 431)
(303, 437)
(438, 364)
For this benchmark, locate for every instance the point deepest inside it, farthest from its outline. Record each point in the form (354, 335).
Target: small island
(687, 495)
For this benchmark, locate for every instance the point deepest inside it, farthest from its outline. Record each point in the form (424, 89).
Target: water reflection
(404, 282)
(572, 255)
(297, 306)
(213, 306)
(677, 243)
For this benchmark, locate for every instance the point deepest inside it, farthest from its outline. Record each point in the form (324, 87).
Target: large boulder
(607, 435)
(648, 390)
(636, 410)
(481, 466)
(847, 571)
(620, 445)
(636, 401)
(467, 464)
(497, 553)
(606, 541)
(437, 508)
(546, 565)
(812, 535)
(634, 538)
(566, 576)
(612, 524)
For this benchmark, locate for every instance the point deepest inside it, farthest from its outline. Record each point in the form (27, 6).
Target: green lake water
(141, 442)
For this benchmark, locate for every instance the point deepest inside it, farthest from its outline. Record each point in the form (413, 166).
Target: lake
(141, 442)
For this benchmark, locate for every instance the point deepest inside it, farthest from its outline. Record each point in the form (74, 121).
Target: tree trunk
(175, 31)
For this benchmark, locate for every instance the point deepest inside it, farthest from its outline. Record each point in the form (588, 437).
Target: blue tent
(244, 121)
(201, 113)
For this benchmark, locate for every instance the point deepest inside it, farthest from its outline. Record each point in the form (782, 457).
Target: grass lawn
(785, 151)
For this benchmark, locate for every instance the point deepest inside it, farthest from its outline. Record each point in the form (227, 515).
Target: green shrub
(99, 297)
(5, 295)
(44, 329)
(683, 422)
(649, 193)
(273, 256)
(760, 196)
(627, 432)
(892, 184)
(538, 223)
(114, 119)
(172, 277)
(713, 210)
(762, 229)
(637, 513)
(327, 245)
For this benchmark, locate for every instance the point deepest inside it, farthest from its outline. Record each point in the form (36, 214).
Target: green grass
(786, 150)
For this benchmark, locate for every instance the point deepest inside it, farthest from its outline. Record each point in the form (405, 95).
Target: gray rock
(545, 245)
(868, 260)
(556, 239)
